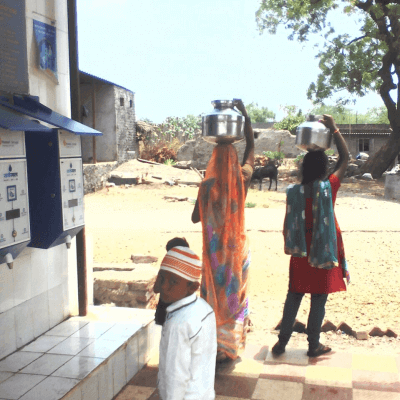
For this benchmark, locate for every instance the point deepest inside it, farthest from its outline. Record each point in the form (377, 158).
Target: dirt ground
(138, 220)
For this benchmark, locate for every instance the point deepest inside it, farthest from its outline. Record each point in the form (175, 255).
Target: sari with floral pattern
(226, 256)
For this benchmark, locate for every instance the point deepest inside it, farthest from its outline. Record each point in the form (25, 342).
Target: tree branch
(357, 39)
(364, 5)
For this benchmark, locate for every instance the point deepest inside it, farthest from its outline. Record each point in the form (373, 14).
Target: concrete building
(114, 116)
(366, 138)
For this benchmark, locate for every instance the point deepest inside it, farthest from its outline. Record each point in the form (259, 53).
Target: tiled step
(257, 374)
(83, 358)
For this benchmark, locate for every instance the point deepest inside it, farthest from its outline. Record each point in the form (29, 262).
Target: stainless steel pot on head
(312, 135)
(223, 124)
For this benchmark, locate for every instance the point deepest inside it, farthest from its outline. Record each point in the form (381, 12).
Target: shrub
(330, 152)
(274, 155)
(169, 162)
(248, 204)
(158, 151)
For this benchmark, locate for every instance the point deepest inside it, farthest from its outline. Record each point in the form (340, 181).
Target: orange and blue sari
(226, 256)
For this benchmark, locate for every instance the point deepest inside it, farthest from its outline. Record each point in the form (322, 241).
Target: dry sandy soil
(138, 220)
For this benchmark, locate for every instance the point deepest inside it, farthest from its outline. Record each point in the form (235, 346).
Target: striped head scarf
(183, 262)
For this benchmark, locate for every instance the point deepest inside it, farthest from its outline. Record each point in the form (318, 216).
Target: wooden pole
(76, 115)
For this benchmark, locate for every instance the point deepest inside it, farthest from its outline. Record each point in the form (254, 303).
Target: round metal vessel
(223, 124)
(312, 135)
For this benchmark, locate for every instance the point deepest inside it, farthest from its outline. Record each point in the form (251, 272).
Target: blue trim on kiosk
(14, 122)
(30, 106)
(44, 185)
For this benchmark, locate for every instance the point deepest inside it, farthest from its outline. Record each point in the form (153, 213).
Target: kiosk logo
(71, 170)
(10, 174)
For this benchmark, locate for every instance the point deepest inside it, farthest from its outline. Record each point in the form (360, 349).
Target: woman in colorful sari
(226, 256)
(312, 237)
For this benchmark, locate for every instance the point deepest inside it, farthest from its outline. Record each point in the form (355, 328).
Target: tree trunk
(385, 156)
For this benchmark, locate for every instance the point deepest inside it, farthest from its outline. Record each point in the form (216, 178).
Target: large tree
(259, 114)
(353, 65)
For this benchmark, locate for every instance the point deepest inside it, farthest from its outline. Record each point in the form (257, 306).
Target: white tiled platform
(82, 358)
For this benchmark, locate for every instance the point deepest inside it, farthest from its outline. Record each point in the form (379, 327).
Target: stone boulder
(352, 169)
(185, 152)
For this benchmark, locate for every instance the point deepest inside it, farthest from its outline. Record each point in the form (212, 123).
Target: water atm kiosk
(41, 176)
(14, 204)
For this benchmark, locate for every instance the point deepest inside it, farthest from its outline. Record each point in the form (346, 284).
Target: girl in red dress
(304, 278)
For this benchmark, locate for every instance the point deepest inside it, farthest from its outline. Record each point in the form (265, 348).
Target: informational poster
(47, 47)
(13, 48)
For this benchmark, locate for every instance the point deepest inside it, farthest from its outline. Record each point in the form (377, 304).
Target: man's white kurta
(188, 351)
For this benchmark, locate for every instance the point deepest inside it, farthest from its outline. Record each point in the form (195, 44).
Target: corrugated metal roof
(82, 75)
(365, 133)
(365, 129)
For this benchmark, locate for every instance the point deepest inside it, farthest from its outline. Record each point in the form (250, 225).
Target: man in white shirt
(188, 344)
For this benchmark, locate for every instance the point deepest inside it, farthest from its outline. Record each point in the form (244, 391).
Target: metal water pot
(312, 135)
(223, 124)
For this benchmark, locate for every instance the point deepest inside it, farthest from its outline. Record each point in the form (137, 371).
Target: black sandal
(278, 349)
(319, 351)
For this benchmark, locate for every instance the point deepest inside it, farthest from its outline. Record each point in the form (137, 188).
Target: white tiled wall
(37, 294)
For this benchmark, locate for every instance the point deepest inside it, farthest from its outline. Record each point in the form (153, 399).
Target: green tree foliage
(184, 127)
(259, 114)
(354, 65)
(292, 120)
(378, 115)
(344, 115)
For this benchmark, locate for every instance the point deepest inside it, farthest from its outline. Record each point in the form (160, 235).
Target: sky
(179, 55)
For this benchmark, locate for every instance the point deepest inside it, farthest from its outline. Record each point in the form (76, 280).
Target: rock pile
(126, 285)
(343, 328)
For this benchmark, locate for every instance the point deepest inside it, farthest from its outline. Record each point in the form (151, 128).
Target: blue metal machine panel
(45, 201)
(30, 106)
(15, 122)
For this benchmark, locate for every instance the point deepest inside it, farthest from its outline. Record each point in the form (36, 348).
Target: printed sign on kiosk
(14, 202)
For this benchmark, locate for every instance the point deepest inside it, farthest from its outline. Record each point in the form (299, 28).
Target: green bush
(248, 204)
(169, 162)
(274, 155)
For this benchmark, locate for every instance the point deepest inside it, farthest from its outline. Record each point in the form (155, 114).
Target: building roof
(365, 129)
(30, 106)
(87, 78)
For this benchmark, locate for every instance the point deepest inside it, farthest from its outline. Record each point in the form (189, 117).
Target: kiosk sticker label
(11, 193)
(72, 186)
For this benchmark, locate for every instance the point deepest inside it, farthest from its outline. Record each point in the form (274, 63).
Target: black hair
(177, 241)
(314, 167)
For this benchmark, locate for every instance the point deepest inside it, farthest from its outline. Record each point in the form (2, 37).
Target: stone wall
(96, 175)
(125, 285)
(392, 186)
(126, 124)
(199, 152)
